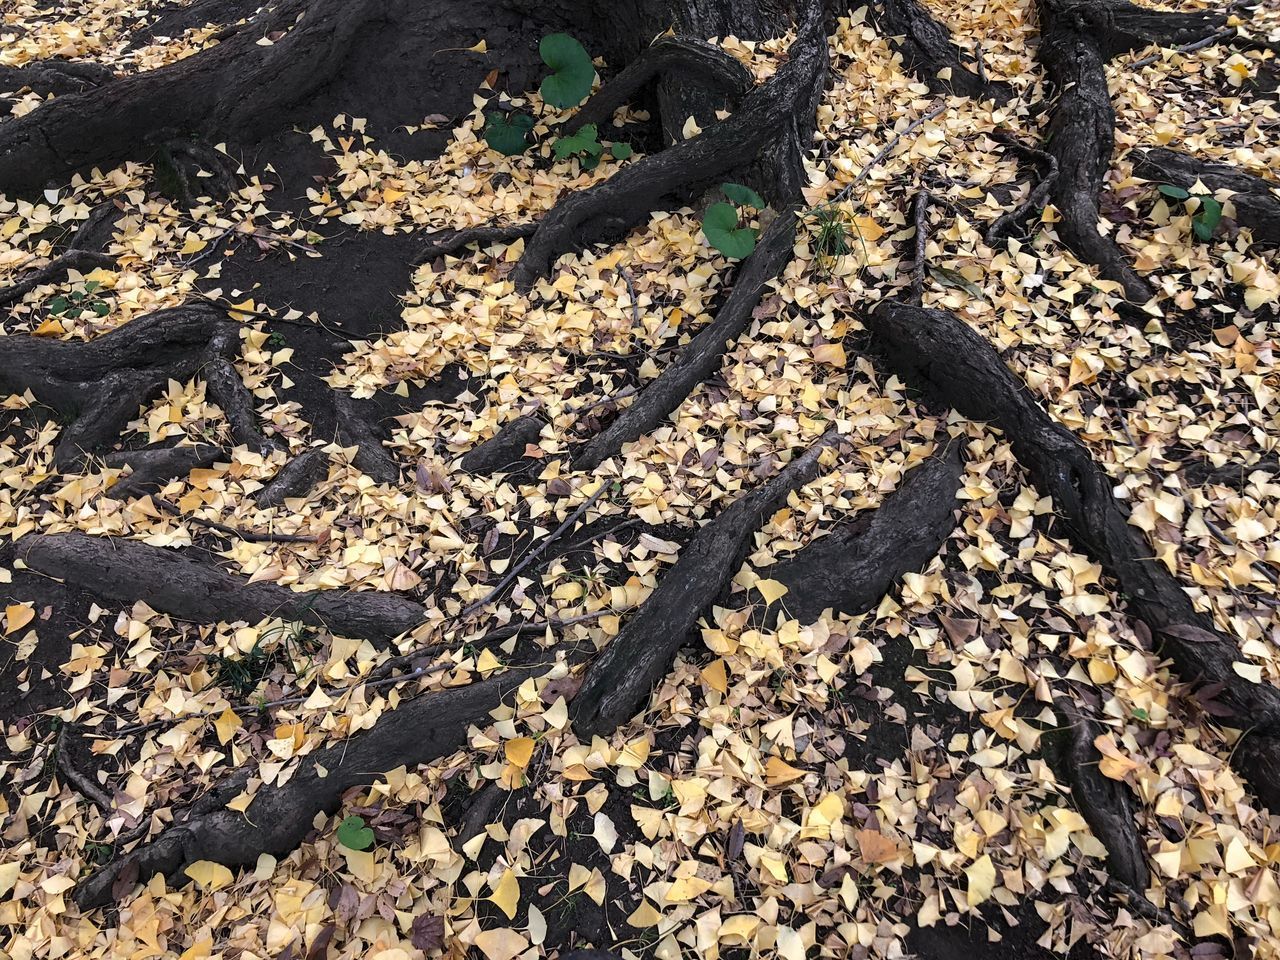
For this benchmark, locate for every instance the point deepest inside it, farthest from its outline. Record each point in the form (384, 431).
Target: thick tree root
(621, 678)
(55, 77)
(353, 430)
(1105, 804)
(295, 479)
(154, 467)
(850, 570)
(99, 386)
(504, 449)
(936, 351)
(231, 90)
(927, 51)
(280, 817)
(704, 353)
(767, 125)
(129, 570)
(1081, 135)
(713, 70)
(1256, 200)
(190, 171)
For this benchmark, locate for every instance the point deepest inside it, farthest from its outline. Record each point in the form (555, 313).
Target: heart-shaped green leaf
(743, 196)
(354, 835)
(573, 73)
(507, 132)
(621, 151)
(720, 227)
(583, 142)
(1169, 190)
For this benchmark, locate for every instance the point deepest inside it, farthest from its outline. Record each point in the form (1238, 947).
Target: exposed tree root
(704, 353)
(1105, 804)
(154, 467)
(936, 351)
(919, 264)
(189, 170)
(129, 570)
(233, 89)
(850, 570)
(100, 385)
(353, 430)
(295, 479)
(55, 77)
(447, 243)
(1256, 200)
(280, 817)
(767, 125)
(1078, 37)
(505, 448)
(714, 70)
(1081, 136)
(83, 254)
(927, 51)
(621, 678)
(1036, 199)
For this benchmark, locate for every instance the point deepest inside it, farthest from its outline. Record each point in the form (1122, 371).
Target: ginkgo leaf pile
(798, 789)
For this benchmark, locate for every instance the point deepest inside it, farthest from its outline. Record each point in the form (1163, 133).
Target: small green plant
(79, 303)
(720, 224)
(584, 145)
(292, 643)
(572, 70)
(834, 238)
(508, 133)
(1208, 212)
(354, 835)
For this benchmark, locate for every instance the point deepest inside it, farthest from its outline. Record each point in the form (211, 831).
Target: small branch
(249, 536)
(884, 152)
(1037, 198)
(920, 215)
(83, 784)
(449, 242)
(536, 552)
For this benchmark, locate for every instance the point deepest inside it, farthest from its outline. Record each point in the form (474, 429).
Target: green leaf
(100, 308)
(954, 278)
(1207, 218)
(1169, 190)
(57, 306)
(574, 72)
(743, 196)
(621, 151)
(1140, 714)
(720, 227)
(91, 286)
(582, 142)
(507, 132)
(354, 835)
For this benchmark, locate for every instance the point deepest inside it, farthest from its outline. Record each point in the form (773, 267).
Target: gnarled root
(128, 570)
(621, 678)
(1081, 138)
(1036, 199)
(153, 467)
(55, 77)
(1104, 803)
(703, 354)
(295, 479)
(851, 570)
(1256, 200)
(927, 50)
(715, 71)
(99, 386)
(772, 122)
(280, 817)
(230, 90)
(937, 352)
(83, 254)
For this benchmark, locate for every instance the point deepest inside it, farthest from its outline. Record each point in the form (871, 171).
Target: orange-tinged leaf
(519, 751)
(17, 616)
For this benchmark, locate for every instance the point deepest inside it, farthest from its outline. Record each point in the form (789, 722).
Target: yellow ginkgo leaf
(503, 944)
(777, 772)
(17, 616)
(772, 590)
(982, 879)
(519, 751)
(506, 895)
(226, 725)
(209, 875)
